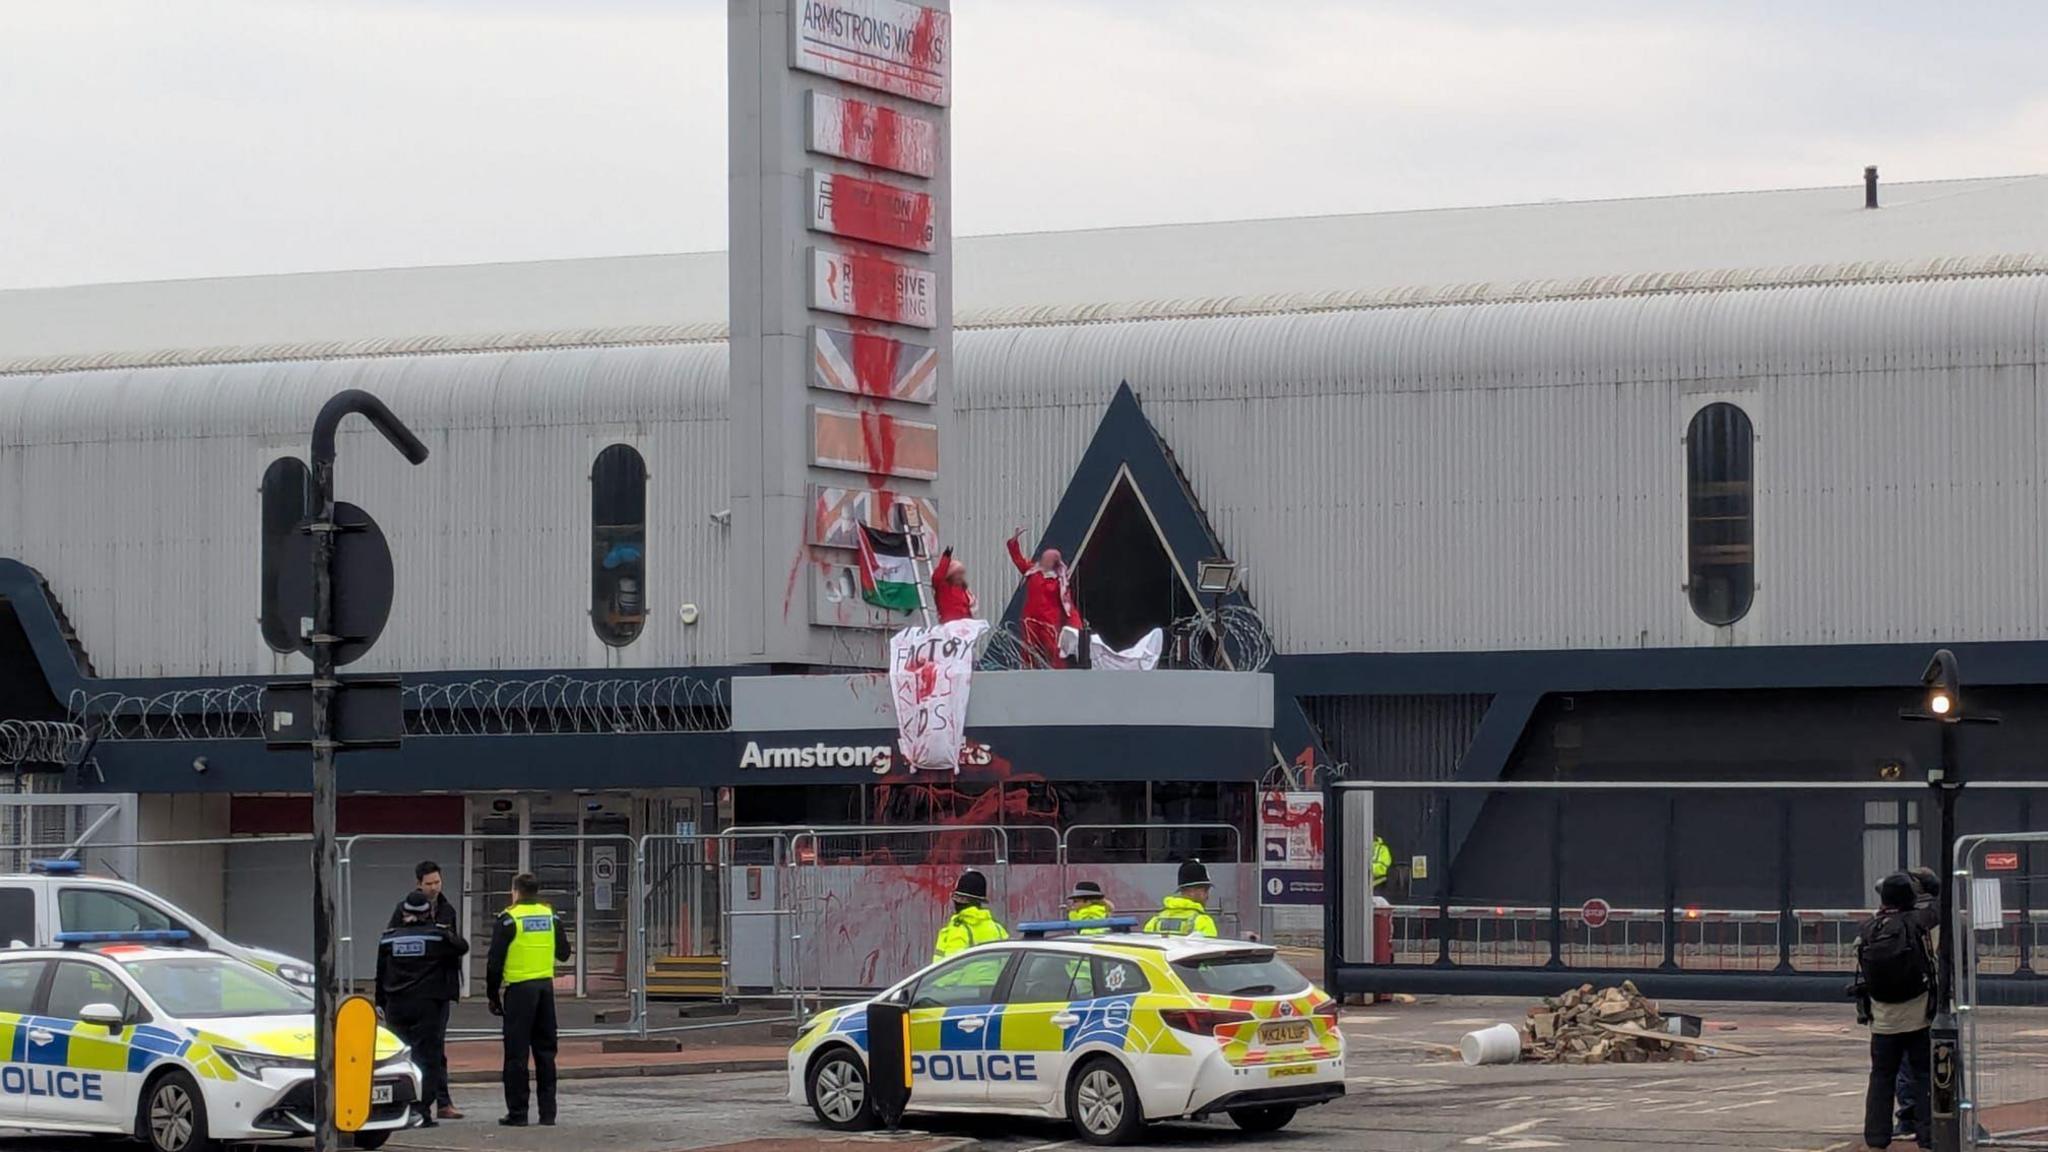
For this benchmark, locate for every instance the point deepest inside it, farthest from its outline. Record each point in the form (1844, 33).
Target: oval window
(618, 545)
(1720, 503)
(287, 500)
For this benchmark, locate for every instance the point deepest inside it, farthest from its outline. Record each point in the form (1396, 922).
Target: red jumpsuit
(954, 601)
(1047, 607)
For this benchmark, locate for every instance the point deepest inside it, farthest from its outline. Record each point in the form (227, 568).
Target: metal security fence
(2001, 1005)
(1701, 889)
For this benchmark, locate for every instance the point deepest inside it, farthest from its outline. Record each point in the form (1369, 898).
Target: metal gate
(2003, 1025)
(1692, 889)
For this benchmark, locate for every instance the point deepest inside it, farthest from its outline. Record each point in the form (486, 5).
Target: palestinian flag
(888, 578)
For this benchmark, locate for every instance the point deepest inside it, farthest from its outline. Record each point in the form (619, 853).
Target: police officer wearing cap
(416, 960)
(1186, 912)
(1086, 902)
(971, 923)
(525, 947)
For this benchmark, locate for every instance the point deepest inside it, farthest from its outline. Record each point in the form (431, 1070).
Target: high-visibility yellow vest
(532, 952)
(1095, 911)
(1382, 860)
(968, 927)
(1180, 916)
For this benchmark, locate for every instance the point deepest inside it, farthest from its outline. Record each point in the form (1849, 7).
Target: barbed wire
(228, 712)
(484, 706)
(38, 742)
(1238, 642)
(558, 705)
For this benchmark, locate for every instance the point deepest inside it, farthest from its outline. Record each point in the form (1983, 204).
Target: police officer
(1382, 861)
(971, 923)
(1086, 902)
(1186, 913)
(416, 961)
(525, 947)
(427, 875)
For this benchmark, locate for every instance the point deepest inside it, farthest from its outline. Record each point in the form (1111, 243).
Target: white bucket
(1500, 1044)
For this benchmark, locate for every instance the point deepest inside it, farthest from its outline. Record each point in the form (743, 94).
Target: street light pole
(1944, 707)
(326, 987)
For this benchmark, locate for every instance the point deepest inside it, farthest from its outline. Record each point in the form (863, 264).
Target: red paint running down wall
(924, 41)
(874, 361)
(878, 437)
(874, 284)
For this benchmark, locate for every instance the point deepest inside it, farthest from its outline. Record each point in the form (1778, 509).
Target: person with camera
(1894, 992)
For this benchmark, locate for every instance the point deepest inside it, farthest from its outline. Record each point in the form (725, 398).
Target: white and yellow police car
(125, 1033)
(1109, 1031)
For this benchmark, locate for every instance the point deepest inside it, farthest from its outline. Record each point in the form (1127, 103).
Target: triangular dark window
(1125, 580)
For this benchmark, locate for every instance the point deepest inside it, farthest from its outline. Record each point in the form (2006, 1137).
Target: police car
(127, 1033)
(1109, 1031)
(57, 896)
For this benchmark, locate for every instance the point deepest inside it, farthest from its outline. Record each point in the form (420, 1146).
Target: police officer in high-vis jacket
(1086, 902)
(971, 923)
(525, 947)
(1186, 912)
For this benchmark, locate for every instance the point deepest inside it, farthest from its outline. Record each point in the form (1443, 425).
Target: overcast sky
(151, 139)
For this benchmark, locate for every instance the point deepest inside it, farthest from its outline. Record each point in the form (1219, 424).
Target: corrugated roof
(1508, 252)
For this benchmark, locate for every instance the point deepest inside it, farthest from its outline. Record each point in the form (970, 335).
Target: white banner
(929, 674)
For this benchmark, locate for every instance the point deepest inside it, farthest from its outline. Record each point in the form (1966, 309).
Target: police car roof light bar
(57, 867)
(138, 936)
(1040, 929)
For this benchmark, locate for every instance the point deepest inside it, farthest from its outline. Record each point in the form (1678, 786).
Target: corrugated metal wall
(1470, 477)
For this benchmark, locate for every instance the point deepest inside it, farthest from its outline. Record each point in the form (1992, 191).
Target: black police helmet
(972, 888)
(1193, 874)
(417, 903)
(1085, 890)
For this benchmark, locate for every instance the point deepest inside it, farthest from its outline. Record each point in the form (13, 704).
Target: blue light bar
(139, 936)
(1040, 929)
(57, 867)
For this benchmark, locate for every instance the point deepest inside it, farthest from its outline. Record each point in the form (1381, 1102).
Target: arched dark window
(1720, 511)
(618, 545)
(287, 499)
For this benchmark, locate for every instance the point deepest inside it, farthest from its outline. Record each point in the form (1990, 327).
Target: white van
(56, 896)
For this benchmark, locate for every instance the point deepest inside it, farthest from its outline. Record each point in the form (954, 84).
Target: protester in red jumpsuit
(1048, 602)
(950, 593)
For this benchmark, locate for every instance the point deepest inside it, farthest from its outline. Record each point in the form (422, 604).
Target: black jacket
(444, 916)
(414, 960)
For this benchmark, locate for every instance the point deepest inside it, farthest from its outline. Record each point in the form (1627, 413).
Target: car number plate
(1285, 1032)
(1294, 1070)
(380, 1093)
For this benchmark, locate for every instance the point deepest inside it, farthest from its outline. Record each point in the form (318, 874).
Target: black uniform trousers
(530, 1027)
(1887, 1054)
(423, 1024)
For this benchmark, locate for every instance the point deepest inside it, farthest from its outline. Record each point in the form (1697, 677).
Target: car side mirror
(105, 1015)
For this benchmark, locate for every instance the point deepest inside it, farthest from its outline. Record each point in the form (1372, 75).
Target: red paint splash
(874, 363)
(881, 213)
(925, 50)
(874, 285)
(878, 440)
(789, 589)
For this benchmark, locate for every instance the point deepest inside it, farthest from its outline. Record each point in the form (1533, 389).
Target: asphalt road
(1408, 1093)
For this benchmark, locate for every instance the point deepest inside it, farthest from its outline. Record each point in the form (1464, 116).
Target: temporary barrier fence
(1137, 878)
(376, 871)
(1517, 888)
(747, 896)
(2002, 1015)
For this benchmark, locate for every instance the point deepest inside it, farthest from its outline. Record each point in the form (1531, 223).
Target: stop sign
(1594, 913)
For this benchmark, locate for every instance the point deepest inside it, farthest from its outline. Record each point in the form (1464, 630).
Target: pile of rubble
(1608, 1026)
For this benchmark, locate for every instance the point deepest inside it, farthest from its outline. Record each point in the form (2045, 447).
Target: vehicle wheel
(371, 1139)
(1271, 1118)
(1103, 1103)
(174, 1116)
(838, 1089)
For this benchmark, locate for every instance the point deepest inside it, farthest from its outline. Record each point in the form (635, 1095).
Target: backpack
(1893, 958)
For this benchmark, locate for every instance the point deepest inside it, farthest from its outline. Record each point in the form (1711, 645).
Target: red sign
(1594, 913)
(2001, 861)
